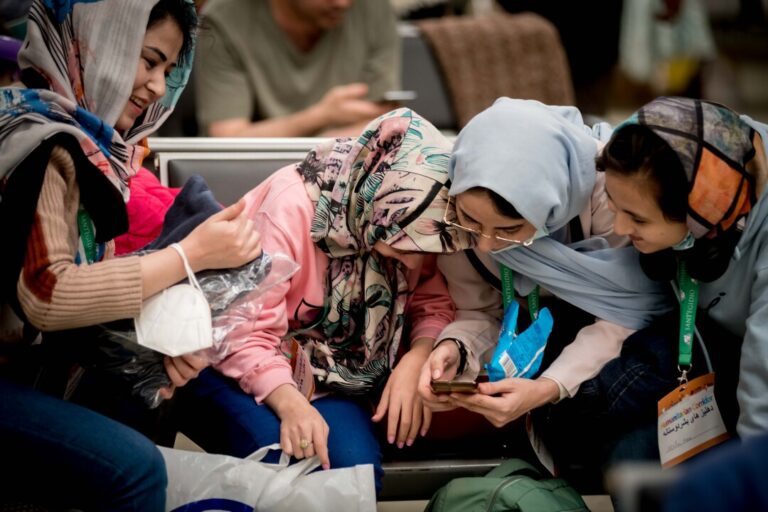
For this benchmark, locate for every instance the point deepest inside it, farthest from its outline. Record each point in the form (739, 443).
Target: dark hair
(636, 150)
(500, 204)
(183, 13)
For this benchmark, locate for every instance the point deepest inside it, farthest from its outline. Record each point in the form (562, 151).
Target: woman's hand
(227, 239)
(182, 369)
(506, 400)
(400, 402)
(303, 431)
(442, 364)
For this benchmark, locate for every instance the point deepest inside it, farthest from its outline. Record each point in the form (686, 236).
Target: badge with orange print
(689, 421)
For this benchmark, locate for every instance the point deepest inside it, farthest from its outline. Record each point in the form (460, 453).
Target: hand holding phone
(453, 386)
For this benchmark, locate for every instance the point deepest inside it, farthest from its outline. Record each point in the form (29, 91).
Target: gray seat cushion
(228, 179)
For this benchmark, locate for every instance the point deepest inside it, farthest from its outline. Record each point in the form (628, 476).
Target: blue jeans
(613, 416)
(74, 457)
(221, 418)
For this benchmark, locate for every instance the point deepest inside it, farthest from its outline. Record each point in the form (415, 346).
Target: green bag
(514, 485)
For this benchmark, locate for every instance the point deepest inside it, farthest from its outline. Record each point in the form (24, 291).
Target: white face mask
(540, 233)
(177, 320)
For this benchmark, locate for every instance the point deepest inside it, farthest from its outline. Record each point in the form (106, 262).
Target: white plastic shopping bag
(199, 482)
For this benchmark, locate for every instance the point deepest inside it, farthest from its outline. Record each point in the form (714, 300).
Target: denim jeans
(221, 418)
(72, 457)
(613, 416)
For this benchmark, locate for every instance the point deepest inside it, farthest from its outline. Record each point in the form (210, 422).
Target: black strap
(481, 269)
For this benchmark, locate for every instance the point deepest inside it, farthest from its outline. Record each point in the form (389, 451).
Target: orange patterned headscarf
(714, 146)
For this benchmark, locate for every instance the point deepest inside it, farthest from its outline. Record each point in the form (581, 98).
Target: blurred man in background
(289, 68)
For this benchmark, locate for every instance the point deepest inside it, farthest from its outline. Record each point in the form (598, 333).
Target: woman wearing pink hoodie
(363, 217)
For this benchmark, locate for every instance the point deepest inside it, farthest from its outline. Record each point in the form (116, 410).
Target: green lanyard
(688, 289)
(508, 292)
(87, 234)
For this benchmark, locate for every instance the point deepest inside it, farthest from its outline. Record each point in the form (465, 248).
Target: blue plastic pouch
(519, 355)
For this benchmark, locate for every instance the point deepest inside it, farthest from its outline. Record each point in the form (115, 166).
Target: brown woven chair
(483, 58)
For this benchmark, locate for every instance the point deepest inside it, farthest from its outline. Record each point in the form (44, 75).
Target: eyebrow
(471, 219)
(159, 53)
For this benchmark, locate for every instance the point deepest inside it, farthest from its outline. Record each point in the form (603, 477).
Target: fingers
(436, 367)
(423, 385)
(167, 393)
(426, 420)
(469, 403)
(498, 387)
(309, 441)
(355, 90)
(381, 409)
(443, 361)
(197, 360)
(393, 418)
(305, 434)
(231, 212)
(320, 438)
(416, 420)
(285, 442)
(300, 443)
(180, 370)
(497, 410)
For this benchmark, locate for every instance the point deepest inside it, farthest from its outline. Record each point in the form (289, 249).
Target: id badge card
(689, 421)
(300, 366)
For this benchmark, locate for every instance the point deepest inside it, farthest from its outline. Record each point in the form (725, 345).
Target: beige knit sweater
(53, 291)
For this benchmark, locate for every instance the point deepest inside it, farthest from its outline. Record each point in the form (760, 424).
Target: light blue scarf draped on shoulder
(541, 159)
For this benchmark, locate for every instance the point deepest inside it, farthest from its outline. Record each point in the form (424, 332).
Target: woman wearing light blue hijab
(525, 182)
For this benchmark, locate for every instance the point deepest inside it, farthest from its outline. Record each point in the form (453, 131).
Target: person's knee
(352, 438)
(142, 467)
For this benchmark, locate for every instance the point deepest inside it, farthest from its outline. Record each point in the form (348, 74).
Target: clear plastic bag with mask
(235, 297)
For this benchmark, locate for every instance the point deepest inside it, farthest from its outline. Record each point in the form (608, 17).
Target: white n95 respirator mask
(176, 320)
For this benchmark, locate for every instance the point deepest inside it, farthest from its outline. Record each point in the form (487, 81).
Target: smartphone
(399, 96)
(453, 386)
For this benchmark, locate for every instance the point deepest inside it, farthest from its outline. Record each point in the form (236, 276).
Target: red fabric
(458, 424)
(149, 202)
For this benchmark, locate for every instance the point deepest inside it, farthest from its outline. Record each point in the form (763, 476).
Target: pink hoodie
(283, 213)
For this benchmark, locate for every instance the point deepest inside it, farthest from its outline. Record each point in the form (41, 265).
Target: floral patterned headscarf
(389, 185)
(88, 52)
(714, 146)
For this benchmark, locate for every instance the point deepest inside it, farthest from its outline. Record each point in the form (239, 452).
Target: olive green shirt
(248, 68)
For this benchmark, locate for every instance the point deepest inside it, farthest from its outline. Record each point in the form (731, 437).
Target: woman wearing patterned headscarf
(687, 181)
(364, 218)
(100, 76)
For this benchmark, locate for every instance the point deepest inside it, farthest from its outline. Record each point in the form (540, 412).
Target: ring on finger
(304, 444)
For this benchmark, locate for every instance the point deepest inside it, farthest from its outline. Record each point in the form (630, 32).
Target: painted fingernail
(400, 444)
(409, 442)
(326, 466)
(391, 439)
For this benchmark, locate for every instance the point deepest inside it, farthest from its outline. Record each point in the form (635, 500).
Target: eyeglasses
(476, 232)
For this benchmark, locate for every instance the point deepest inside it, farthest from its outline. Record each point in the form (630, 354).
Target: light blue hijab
(541, 159)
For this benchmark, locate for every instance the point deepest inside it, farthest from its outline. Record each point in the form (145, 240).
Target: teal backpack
(514, 485)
